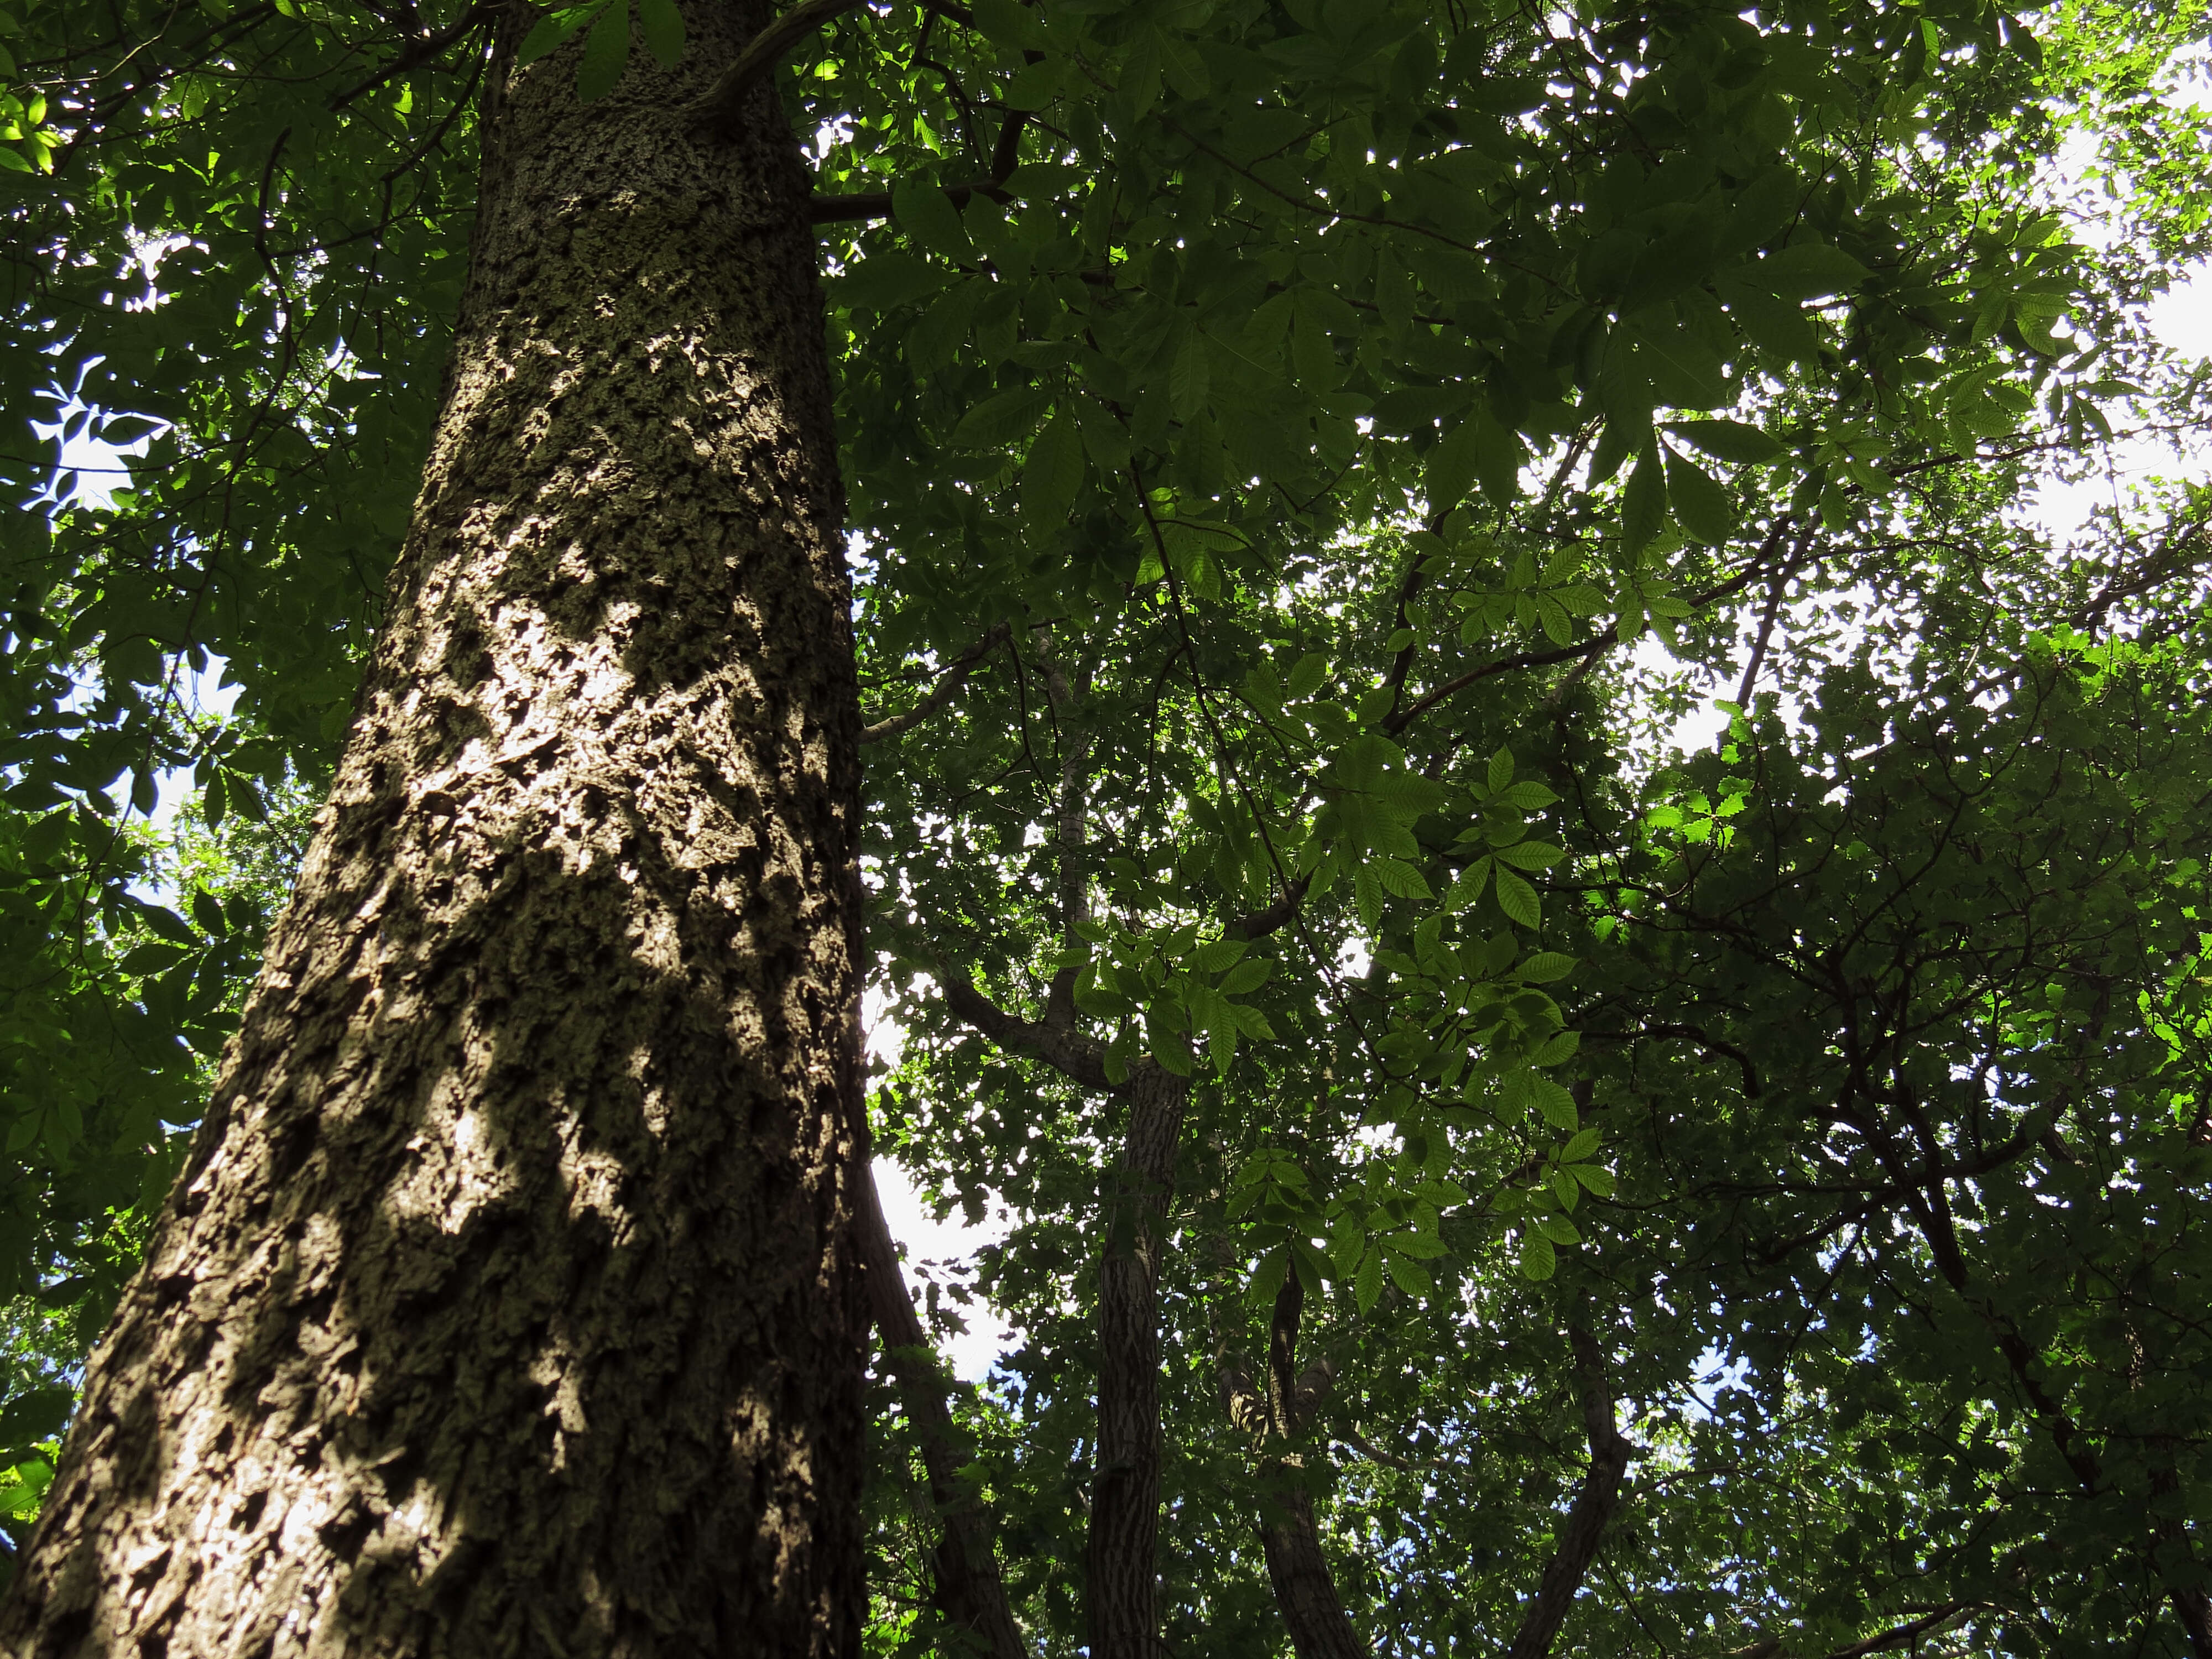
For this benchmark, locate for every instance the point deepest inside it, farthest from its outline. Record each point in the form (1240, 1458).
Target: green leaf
(1544, 966)
(1584, 1143)
(1188, 381)
(1706, 510)
(1449, 471)
(887, 279)
(150, 959)
(1685, 372)
(999, 421)
(1468, 888)
(1008, 23)
(552, 29)
(1401, 879)
(167, 923)
(1555, 1102)
(662, 25)
(1367, 1283)
(606, 53)
(1596, 1178)
(1528, 855)
(1184, 69)
(1726, 440)
(1643, 503)
(1805, 270)
(1247, 976)
(1052, 473)
(1539, 1261)
(1305, 679)
(1409, 1276)
(1218, 955)
(926, 214)
(1518, 900)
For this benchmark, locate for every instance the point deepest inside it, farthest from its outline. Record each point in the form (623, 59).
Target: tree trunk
(970, 1594)
(507, 1305)
(1594, 1503)
(1124, 1588)
(1305, 1587)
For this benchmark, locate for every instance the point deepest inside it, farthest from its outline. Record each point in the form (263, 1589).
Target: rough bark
(970, 1595)
(1124, 1583)
(1593, 1508)
(1305, 1587)
(507, 1305)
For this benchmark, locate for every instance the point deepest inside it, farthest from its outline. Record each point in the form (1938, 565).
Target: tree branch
(719, 109)
(1593, 1507)
(1074, 1057)
(877, 204)
(421, 49)
(954, 676)
(971, 1593)
(1258, 924)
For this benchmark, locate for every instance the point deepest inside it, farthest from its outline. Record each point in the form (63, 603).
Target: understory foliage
(1460, 577)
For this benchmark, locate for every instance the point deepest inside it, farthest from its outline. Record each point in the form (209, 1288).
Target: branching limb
(718, 110)
(1593, 1508)
(421, 49)
(1069, 1052)
(954, 677)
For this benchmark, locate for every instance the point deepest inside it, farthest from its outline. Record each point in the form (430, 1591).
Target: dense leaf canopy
(1311, 465)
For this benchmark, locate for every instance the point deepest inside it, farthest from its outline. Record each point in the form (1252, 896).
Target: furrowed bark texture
(1124, 1588)
(969, 1592)
(507, 1305)
(1305, 1587)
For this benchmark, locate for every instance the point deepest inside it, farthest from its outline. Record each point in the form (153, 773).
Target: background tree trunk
(1305, 1588)
(1124, 1588)
(508, 1304)
(970, 1594)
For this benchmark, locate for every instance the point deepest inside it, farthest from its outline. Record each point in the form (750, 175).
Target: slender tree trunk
(1592, 1511)
(969, 1592)
(507, 1305)
(1124, 1590)
(1305, 1588)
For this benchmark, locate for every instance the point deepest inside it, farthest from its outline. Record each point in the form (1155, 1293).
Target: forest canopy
(1507, 819)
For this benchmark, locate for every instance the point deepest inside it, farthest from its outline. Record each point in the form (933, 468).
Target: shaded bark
(1124, 1583)
(1592, 1509)
(507, 1305)
(1304, 1586)
(970, 1594)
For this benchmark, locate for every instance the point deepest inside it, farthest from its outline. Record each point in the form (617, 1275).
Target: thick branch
(954, 677)
(1075, 1057)
(1907, 1634)
(970, 1594)
(1593, 1507)
(1258, 924)
(719, 110)
(877, 204)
